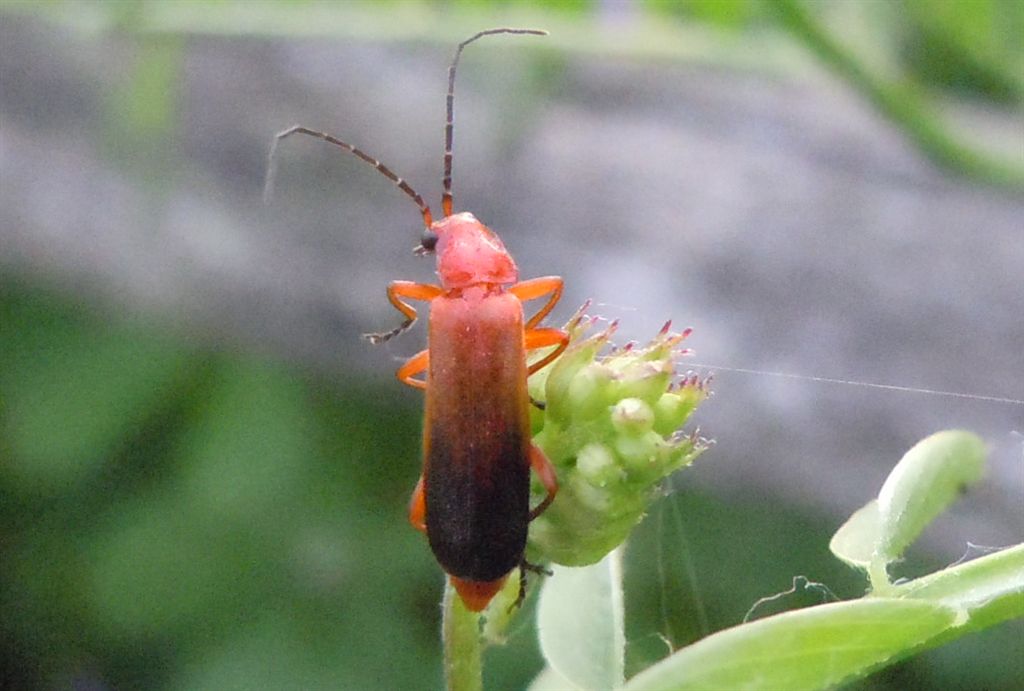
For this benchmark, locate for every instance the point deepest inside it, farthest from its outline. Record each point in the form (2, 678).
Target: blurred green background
(187, 504)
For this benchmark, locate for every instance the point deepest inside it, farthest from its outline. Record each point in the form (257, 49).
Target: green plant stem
(460, 631)
(899, 103)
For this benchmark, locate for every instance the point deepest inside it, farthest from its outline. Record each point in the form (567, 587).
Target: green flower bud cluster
(610, 426)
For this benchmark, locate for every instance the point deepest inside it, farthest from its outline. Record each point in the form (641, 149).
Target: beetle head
(468, 253)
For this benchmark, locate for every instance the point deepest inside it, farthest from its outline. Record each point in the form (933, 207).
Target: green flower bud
(639, 455)
(610, 428)
(597, 464)
(632, 416)
(675, 407)
(589, 391)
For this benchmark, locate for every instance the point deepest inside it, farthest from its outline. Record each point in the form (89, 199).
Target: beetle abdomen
(477, 436)
(477, 524)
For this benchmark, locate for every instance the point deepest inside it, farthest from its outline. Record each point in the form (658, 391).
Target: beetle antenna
(446, 197)
(268, 187)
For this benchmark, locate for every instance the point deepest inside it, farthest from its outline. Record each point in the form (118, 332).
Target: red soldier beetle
(473, 497)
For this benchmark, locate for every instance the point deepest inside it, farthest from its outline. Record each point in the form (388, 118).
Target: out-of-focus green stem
(460, 630)
(900, 103)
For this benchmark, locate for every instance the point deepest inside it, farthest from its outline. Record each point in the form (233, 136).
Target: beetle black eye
(429, 241)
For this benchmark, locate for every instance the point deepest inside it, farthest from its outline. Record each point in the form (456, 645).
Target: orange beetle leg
(411, 291)
(535, 288)
(546, 472)
(413, 366)
(542, 338)
(418, 508)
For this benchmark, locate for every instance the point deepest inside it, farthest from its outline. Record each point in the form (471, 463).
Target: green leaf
(812, 648)
(929, 477)
(550, 680)
(824, 646)
(923, 484)
(987, 590)
(856, 540)
(580, 619)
